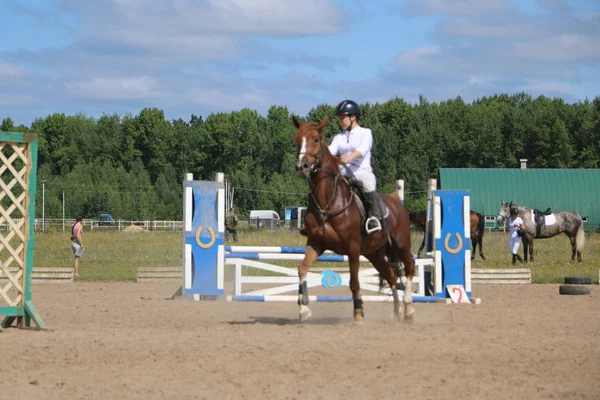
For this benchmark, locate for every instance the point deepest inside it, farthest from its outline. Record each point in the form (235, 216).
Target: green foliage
(7, 125)
(132, 166)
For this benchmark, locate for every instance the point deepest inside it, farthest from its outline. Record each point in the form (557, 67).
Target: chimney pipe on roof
(523, 163)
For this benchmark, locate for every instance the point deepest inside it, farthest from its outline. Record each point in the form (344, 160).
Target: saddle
(364, 204)
(540, 216)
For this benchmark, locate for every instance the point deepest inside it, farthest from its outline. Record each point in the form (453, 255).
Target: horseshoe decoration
(331, 280)
(213, 237)
(447, 245)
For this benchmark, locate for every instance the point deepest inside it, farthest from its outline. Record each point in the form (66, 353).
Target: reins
(325, 212)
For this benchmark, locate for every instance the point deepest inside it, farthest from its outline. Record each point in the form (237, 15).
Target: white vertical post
(43, 205)
(220, 178)
(437, 230)
(187, 227)
(237, 279)
(400, 190)
(467, 223)
(63, 210)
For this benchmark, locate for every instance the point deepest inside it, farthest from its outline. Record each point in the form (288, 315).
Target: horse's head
(310, 142)
(504, 212)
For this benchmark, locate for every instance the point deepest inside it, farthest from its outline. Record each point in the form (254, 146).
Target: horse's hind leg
(422, 246)
(474, 247)
(387, 273)
(574, 248)
(480, 240)
(409, 270)
(531, 251)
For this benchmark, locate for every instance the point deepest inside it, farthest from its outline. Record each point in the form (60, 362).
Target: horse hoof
(398, 315)
(305, 313)
(358, 316)
(409, 314)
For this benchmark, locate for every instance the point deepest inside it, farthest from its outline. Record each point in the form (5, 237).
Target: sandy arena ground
(128, 341)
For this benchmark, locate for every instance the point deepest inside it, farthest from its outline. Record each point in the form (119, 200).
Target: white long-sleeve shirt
(358, 139)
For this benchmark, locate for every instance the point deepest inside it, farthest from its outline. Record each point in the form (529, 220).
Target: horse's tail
(580, 239)
(480, 227)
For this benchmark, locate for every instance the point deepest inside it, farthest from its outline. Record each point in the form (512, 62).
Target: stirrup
(377, 228)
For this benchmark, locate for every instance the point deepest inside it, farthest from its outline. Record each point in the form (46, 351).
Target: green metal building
(575, 190)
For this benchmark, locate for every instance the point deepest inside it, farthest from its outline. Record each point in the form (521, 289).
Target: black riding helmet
(348, 107)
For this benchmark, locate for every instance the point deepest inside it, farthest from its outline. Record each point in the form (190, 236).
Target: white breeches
(367, 179)
(514, 244)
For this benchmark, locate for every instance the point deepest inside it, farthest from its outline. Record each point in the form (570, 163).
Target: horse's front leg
(354, 261)
(310, 256)
(525, 243)
(531, 250)
(473, 247)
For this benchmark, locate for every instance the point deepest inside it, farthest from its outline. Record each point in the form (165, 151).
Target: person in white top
(515, 223)
(354, 145)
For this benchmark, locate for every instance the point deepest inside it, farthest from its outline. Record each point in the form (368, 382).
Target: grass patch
(114, 255)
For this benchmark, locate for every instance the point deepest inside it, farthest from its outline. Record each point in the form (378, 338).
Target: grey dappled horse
(567, 222)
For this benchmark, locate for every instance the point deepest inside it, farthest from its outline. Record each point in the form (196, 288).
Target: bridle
(315, 168)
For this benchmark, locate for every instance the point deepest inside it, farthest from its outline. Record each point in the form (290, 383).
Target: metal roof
(575, 190)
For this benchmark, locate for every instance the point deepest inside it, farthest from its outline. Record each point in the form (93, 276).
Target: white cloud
(189, 17)
(419, 57)
(134, 88)
(559, 5)
(551, 87)
(455, 7)
(11, 70)
(215, 98)
(505, 51)
(16, 100)
(566, 47)
(489, 29)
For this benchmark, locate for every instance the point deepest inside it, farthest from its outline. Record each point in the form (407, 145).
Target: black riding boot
(519, 258)
(374, 211)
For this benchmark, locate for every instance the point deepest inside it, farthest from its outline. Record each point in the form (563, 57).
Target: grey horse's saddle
(540, 215)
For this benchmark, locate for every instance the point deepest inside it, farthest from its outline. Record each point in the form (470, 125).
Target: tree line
(132, 166)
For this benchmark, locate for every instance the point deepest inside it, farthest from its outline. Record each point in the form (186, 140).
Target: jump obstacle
(205, 254)
(18, 153)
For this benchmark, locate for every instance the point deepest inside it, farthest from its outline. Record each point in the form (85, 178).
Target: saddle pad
(548, 219)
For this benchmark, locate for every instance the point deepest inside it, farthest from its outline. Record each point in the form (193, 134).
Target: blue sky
(202, 56)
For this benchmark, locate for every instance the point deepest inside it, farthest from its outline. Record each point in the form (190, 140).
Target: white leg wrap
(305, 312)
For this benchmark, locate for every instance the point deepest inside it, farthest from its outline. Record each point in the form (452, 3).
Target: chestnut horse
(334, 222)
(419, 219)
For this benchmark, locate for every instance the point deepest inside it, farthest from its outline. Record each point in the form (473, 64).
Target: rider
(515, 223)
(354, 145)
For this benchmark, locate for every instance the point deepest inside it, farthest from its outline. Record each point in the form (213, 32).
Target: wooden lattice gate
(18, 171)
